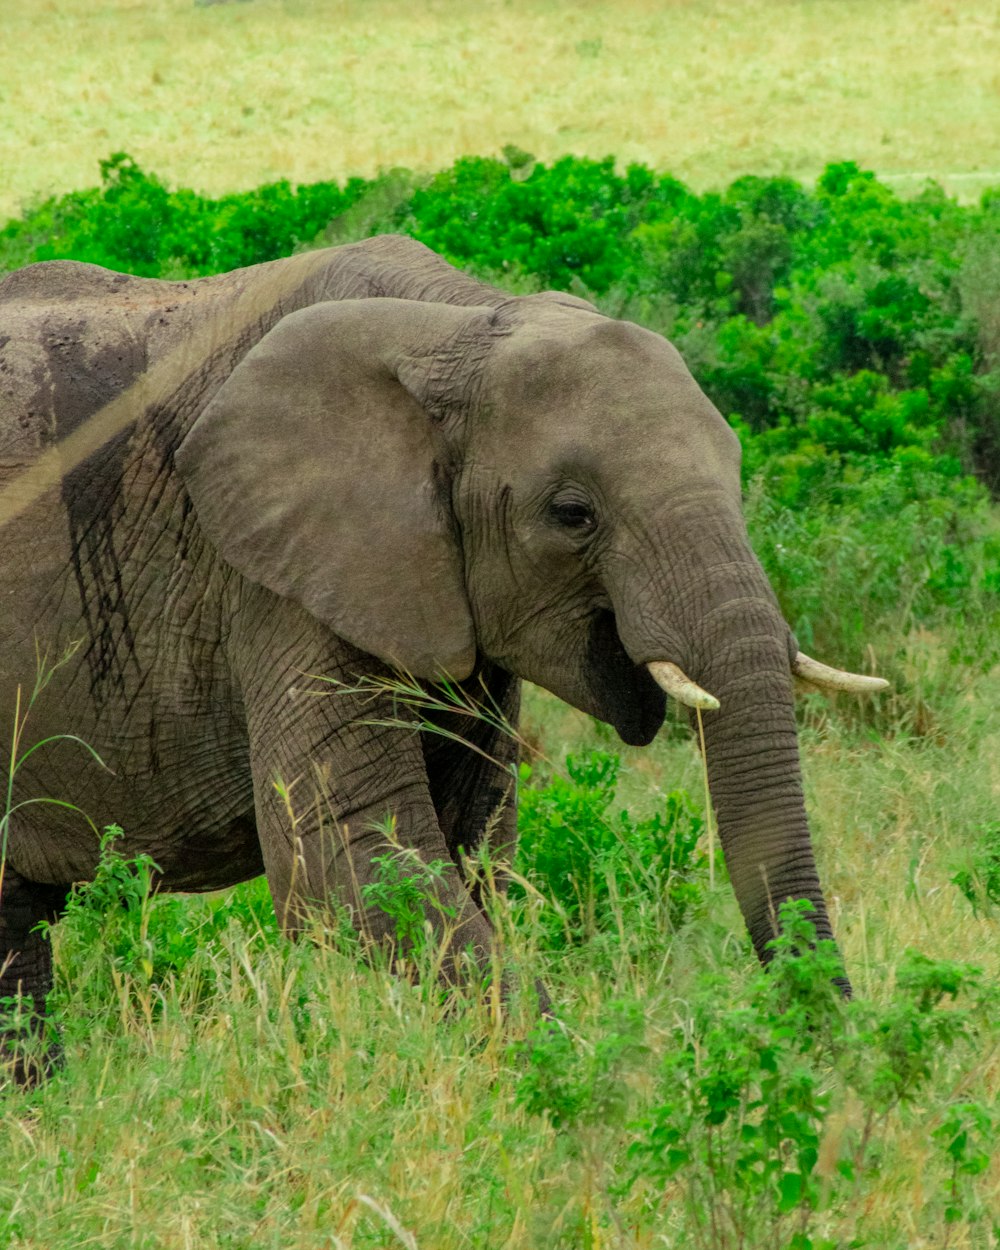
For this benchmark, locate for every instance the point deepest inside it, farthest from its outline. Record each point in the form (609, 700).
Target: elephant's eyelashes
(573, 514)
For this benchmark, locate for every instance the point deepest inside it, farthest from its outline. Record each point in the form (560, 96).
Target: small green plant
(111, 914)
(119, 936)
(967, 1135)
(743, 1103)
(404, 890)
(752, 1120)
(576, 1081)
(979, 876)
(581, 856)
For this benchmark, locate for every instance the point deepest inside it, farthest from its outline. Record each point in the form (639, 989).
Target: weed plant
(595, 869)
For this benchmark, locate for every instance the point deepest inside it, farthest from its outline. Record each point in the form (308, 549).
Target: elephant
(351, 463)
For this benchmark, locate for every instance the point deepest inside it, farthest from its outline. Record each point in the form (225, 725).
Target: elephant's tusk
(833, 679)
(680, 687)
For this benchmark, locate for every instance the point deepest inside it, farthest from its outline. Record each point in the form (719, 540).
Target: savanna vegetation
(224, 1088)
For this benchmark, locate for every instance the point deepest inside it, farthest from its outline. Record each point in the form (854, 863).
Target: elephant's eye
(573, 514)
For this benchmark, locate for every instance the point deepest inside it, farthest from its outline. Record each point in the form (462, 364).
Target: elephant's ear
(317, 473)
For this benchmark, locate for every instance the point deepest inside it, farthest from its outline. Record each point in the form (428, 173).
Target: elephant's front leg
(471, 751)
(344, 808)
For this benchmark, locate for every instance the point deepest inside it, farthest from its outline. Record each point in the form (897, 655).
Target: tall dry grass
(225, 96)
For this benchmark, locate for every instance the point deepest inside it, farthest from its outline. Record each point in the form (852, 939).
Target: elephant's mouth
(625, 694)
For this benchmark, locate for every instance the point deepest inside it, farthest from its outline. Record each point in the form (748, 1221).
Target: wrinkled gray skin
(346, 460)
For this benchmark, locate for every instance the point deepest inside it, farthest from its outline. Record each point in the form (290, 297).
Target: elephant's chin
(625, 694)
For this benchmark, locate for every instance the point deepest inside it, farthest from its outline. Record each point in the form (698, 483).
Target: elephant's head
(536, 484)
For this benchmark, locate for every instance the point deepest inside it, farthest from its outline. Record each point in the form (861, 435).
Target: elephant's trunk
(726, 632)
(754, 774)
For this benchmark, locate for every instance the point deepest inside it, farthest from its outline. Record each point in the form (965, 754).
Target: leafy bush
(771, 1118)
(404, 890)
(575, 1084)
(582, 858)
(879, 553)
(119, 936)
(749, 1095)
(978, 876)
(135, 224)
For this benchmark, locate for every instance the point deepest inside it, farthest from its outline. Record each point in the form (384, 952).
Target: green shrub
(745, 1114)
(404, 889)
(135, 224)
(978, 876)
(582, 858)
(884, 546)
(574, 1083)
(117, 935)
(771, 1117)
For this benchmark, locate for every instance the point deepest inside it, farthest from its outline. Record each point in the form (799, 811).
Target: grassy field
(225, 96)
(265, 1095)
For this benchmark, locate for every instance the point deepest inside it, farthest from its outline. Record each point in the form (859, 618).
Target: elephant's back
(67, 351)
(51, 282)
(59, 362)
(73, 337)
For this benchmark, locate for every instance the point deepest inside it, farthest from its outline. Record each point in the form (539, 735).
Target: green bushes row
(852, 337)
(845, 321)
(134, 224)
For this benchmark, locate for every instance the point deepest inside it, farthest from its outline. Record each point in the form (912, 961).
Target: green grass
(227, 96)
(225, 1088)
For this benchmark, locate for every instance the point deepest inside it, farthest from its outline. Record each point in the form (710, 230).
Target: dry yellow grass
(224, 96)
